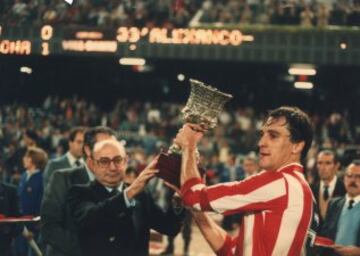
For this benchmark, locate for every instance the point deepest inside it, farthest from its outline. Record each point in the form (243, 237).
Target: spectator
(329, 185)
(73, 158)
(322, 15)
(31, 192)
(250, 165)
(306, 17)
(342, 222)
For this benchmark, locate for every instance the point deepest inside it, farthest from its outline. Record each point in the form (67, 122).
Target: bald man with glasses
(114, 218)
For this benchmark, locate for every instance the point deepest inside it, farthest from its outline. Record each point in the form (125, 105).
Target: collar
(89, 172)
(72, 159)
(119, 188)
(348, 198)
(291, 167)
(29, 174)
(332, 184)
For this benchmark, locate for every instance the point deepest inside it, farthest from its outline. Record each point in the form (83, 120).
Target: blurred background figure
(231, 171)
(342, 222)
(31, 191)
(72, 158)
(250, 165)
(130, 175)
(30, 138)
(9, 207)
(329, 184)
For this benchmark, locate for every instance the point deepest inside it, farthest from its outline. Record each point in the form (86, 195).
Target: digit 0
(46, 32)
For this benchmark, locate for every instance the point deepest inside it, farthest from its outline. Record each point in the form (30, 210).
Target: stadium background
(70, 88)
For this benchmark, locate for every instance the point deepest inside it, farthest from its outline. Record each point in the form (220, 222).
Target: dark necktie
(114, 192)
(351, 204)
(77, 163)
(326, 192)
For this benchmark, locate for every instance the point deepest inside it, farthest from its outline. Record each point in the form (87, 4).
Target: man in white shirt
(329, 185)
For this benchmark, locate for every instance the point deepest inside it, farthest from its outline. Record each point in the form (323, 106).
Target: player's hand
(189, 136)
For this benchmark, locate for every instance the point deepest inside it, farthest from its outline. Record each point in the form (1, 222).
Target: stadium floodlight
(304, 85)
(181, 77)
(69, 1)
(132, 61)
(343, 46)
(302, 71)
(26, 70)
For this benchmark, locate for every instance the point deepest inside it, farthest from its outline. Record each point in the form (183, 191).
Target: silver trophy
(202, 108)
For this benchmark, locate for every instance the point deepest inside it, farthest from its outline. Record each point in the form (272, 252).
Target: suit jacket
(9, 206)
(329, 228)
(57, 226)
(53, 165)
(108, 228)
(339, 190)
(31, 192)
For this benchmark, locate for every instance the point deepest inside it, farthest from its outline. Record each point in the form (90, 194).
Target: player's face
(274, 145)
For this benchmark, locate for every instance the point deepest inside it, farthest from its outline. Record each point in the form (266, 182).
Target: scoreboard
(48, 40)
(333, 45)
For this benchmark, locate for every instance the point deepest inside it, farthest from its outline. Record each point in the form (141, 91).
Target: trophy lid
(204, 105)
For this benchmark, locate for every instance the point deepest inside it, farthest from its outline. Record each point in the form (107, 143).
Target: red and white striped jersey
(276, 206)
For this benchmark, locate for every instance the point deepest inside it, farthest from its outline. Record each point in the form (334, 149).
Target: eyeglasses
(105, 162)
(355, 176)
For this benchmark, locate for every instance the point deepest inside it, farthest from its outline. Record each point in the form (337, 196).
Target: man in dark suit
(113, 218)
(342, 222)
(73, 158)
(329, 185)
(9, 207)
(57, 225)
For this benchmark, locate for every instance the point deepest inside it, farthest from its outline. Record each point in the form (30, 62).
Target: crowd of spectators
(147, 128)
(98, 12)
(181, 13)
(306, 13)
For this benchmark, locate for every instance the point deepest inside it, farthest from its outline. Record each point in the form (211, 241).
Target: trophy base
(169, 165)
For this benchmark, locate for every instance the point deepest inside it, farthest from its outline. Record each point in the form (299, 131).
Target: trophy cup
(203, 107)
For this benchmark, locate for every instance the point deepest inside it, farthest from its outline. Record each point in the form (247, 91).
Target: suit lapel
(66, 162)
(338, 190)
(80, 176)
(316, 192)
(100, 191)
(340, 205)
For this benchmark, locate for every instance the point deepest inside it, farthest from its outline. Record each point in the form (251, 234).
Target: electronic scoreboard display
(50, 40)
